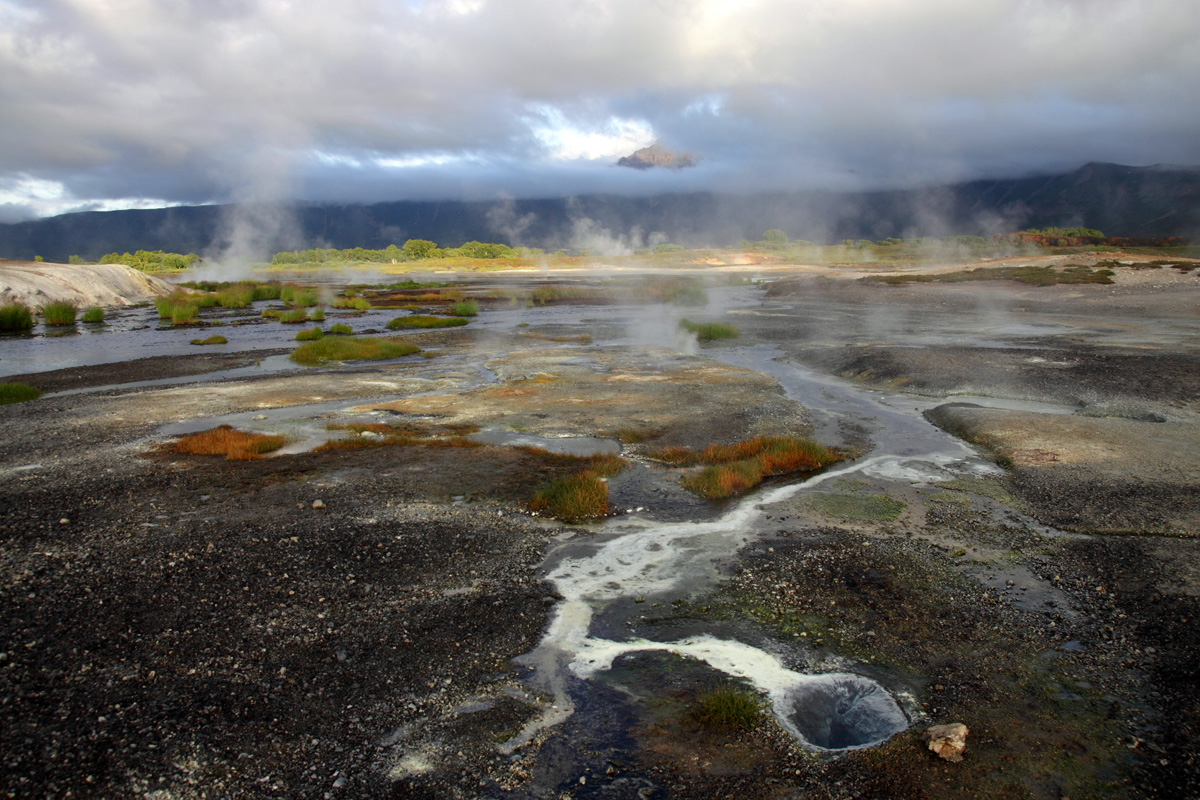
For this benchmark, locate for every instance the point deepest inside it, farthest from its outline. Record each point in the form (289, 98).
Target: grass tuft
(17, 393)
(573, 498)
(309, 335)
(736, 468)
(340, 330)
(317, 314)
(226, 441)
(15, 317)
(211, 340)
(727, 709)
(355, 303)
(59, 314)
(295, 316)
(709, 331)
(350, 348)
(465, 308)
(93, 315)
(424, 321)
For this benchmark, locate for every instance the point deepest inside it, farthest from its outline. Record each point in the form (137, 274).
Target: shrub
(226, 441)
(211, 340)
(350, 348)
(424, 321)
(574, 498)
(340, 330)
(727, 709)
(59, 314)
(465, 308)
(93, 315)
(17, 393)
(309, 335)
(708, 331)
(15, 317)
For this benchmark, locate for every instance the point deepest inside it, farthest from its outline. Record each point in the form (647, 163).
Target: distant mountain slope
(1119, 200)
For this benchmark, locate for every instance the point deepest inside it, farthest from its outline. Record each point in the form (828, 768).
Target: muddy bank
(85, 285)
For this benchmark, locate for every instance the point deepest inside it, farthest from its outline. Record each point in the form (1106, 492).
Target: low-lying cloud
(124, 102)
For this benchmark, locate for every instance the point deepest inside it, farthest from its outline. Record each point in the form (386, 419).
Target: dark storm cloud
(120, 102)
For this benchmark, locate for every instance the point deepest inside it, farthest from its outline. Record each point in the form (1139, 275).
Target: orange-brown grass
(394, 435)
(573, 498)
(226, 441)
(736, 468)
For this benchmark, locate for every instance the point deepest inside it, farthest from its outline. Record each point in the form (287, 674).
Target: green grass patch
(464, 308)
(353, 303)
(425, 321)
(59, 314)
(858, 506)
(709, 331)
(310, 335)
(179, 307)
(350, 348)
(298, 296)
(340, 330)
(17, 393)
(727, 709)
(15, 317)
(93, 315)
(317, 314)
(574, 498)
(1032, 276)
(293, 316)
(211, 340)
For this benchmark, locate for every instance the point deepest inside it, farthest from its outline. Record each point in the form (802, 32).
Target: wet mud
(390, 620)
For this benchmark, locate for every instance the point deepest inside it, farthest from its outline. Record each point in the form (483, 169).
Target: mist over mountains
(1140, 202)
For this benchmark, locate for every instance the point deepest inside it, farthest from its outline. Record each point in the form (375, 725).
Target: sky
(146, 103)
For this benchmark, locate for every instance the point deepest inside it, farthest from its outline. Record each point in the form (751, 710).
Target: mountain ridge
(1143, 202)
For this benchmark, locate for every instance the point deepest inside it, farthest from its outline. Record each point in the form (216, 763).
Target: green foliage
(727, 709)
(93, 315)
(340, 330)
(75, 260)
(152, 260)
(709, 331)
(15, 317)
(294, 316)
(425, 321)
(309, 335)
(59, 314)
(317, 314)
(350, 348)
(211, 340)
(667, 247)
(17, 393)
(418, 249)
(38, 259)
(465, 308)
(482, 250)
(774, 239)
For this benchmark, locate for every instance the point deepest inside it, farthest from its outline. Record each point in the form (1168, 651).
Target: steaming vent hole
(839, 712)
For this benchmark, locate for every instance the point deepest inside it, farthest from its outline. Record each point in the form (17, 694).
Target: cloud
(142, 101)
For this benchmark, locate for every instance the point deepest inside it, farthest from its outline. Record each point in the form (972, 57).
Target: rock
(318, 504)
(948, 741)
